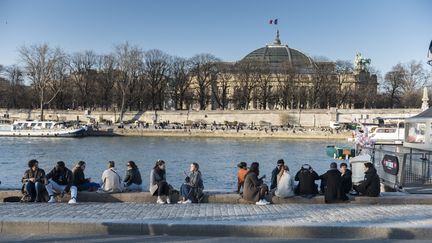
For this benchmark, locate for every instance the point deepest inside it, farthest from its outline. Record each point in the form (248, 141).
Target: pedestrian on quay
(254, 188)
(111, 180)
(133, 180)
(333, 192)
(33, 182)
(158, 184)
(241, 175)
(346, 178)
(285, 184)
(279, 167)
(60, 180)
(370, 186)
(79, 180)
(192, 189)
(306, 177)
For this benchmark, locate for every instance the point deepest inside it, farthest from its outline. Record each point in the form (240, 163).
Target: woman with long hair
(254, 188)
(158, 185)
(79, 180)
(133, 181)
(192, 189)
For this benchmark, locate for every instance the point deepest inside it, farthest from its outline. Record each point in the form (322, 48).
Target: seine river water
(217, 157)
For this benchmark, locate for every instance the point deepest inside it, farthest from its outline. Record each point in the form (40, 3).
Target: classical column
(425, 99)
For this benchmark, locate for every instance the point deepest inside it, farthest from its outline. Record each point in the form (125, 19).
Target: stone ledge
(229, 198)
(83, 227)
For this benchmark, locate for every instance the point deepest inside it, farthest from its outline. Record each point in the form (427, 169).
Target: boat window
(33, 124)
(415, 132)
(48, 125)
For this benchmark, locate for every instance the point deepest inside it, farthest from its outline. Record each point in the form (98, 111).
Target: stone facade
(303, 117)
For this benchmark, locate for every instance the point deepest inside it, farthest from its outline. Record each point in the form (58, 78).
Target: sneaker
(52, 199)
(160, 201)
(72, 201)
(168, 200)
(180, 202)
(187, 201)
(262, 202)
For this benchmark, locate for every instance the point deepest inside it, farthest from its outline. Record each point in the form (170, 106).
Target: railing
(417, 170)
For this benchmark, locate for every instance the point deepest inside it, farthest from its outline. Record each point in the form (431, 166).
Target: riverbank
(307, 134)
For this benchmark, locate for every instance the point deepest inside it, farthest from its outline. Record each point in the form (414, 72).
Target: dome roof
(278, 56)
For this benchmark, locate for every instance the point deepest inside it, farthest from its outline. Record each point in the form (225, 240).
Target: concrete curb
(87, 227)
(231, 198)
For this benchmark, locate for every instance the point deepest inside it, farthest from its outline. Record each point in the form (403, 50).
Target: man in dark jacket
(346, 178)
(371, 185)
(275, 172)
(60, 180)
(306, 177)
(333, 191)
(33, 181)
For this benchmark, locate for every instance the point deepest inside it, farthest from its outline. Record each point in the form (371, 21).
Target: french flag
(273, 21)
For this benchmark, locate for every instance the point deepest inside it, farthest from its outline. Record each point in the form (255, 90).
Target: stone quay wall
(305, 118)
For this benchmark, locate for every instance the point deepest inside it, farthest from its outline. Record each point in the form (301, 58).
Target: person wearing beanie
(241, 175)
(333, 189)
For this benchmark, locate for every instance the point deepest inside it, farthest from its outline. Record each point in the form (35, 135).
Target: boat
(340, 152)
(42, 129)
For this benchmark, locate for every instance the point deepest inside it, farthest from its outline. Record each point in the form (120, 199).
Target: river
(217, 157)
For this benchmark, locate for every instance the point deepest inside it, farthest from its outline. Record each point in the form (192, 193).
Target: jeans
(187, 192)
(133, 187)
(34, 190)
(88, 185)
(53, 187)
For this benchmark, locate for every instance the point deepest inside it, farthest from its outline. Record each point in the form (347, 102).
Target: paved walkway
(294, 220)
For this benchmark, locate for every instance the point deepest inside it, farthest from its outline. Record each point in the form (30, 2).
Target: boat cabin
(418, 131)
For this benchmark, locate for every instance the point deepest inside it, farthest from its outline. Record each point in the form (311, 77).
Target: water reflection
(217, 157)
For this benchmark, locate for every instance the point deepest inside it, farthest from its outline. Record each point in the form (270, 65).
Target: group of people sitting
(335, 184)
(38, 186)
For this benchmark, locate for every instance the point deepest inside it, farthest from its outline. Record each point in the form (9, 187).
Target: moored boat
(42, 129)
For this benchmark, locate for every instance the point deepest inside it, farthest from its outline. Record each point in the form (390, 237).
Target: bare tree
(414, 79)
(345, 87)
(247, 75)
(221, 85)
(265, 93)
(180, 80)
(393, 83)
(286, 79)
(204, 71)
(106, 79)
(40, 62)
(156, 68)
(129, 64)
(82, 69)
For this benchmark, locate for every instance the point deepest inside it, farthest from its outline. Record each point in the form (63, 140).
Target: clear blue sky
(387, 31)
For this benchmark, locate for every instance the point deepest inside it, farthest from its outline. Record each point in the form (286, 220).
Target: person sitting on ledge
(346, 178)
(192, 189)
(111, 180)
(306, 177)
(333, 189)
(133, 181)
(33, 182)
(285, 184)
(241, 174)
(158, 185)
(275, 172)
(79, 180)
(254, 188)
(60, 180)
(370, 186)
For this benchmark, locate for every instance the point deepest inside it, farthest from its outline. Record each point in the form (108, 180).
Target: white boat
(41, 129)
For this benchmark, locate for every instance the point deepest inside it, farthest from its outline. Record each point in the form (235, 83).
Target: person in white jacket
(285, 184)
(111, 180)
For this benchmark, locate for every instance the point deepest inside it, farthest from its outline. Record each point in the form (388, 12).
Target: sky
(386, 31)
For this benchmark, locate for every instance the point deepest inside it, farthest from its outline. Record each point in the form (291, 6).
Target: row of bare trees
(132, 79)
